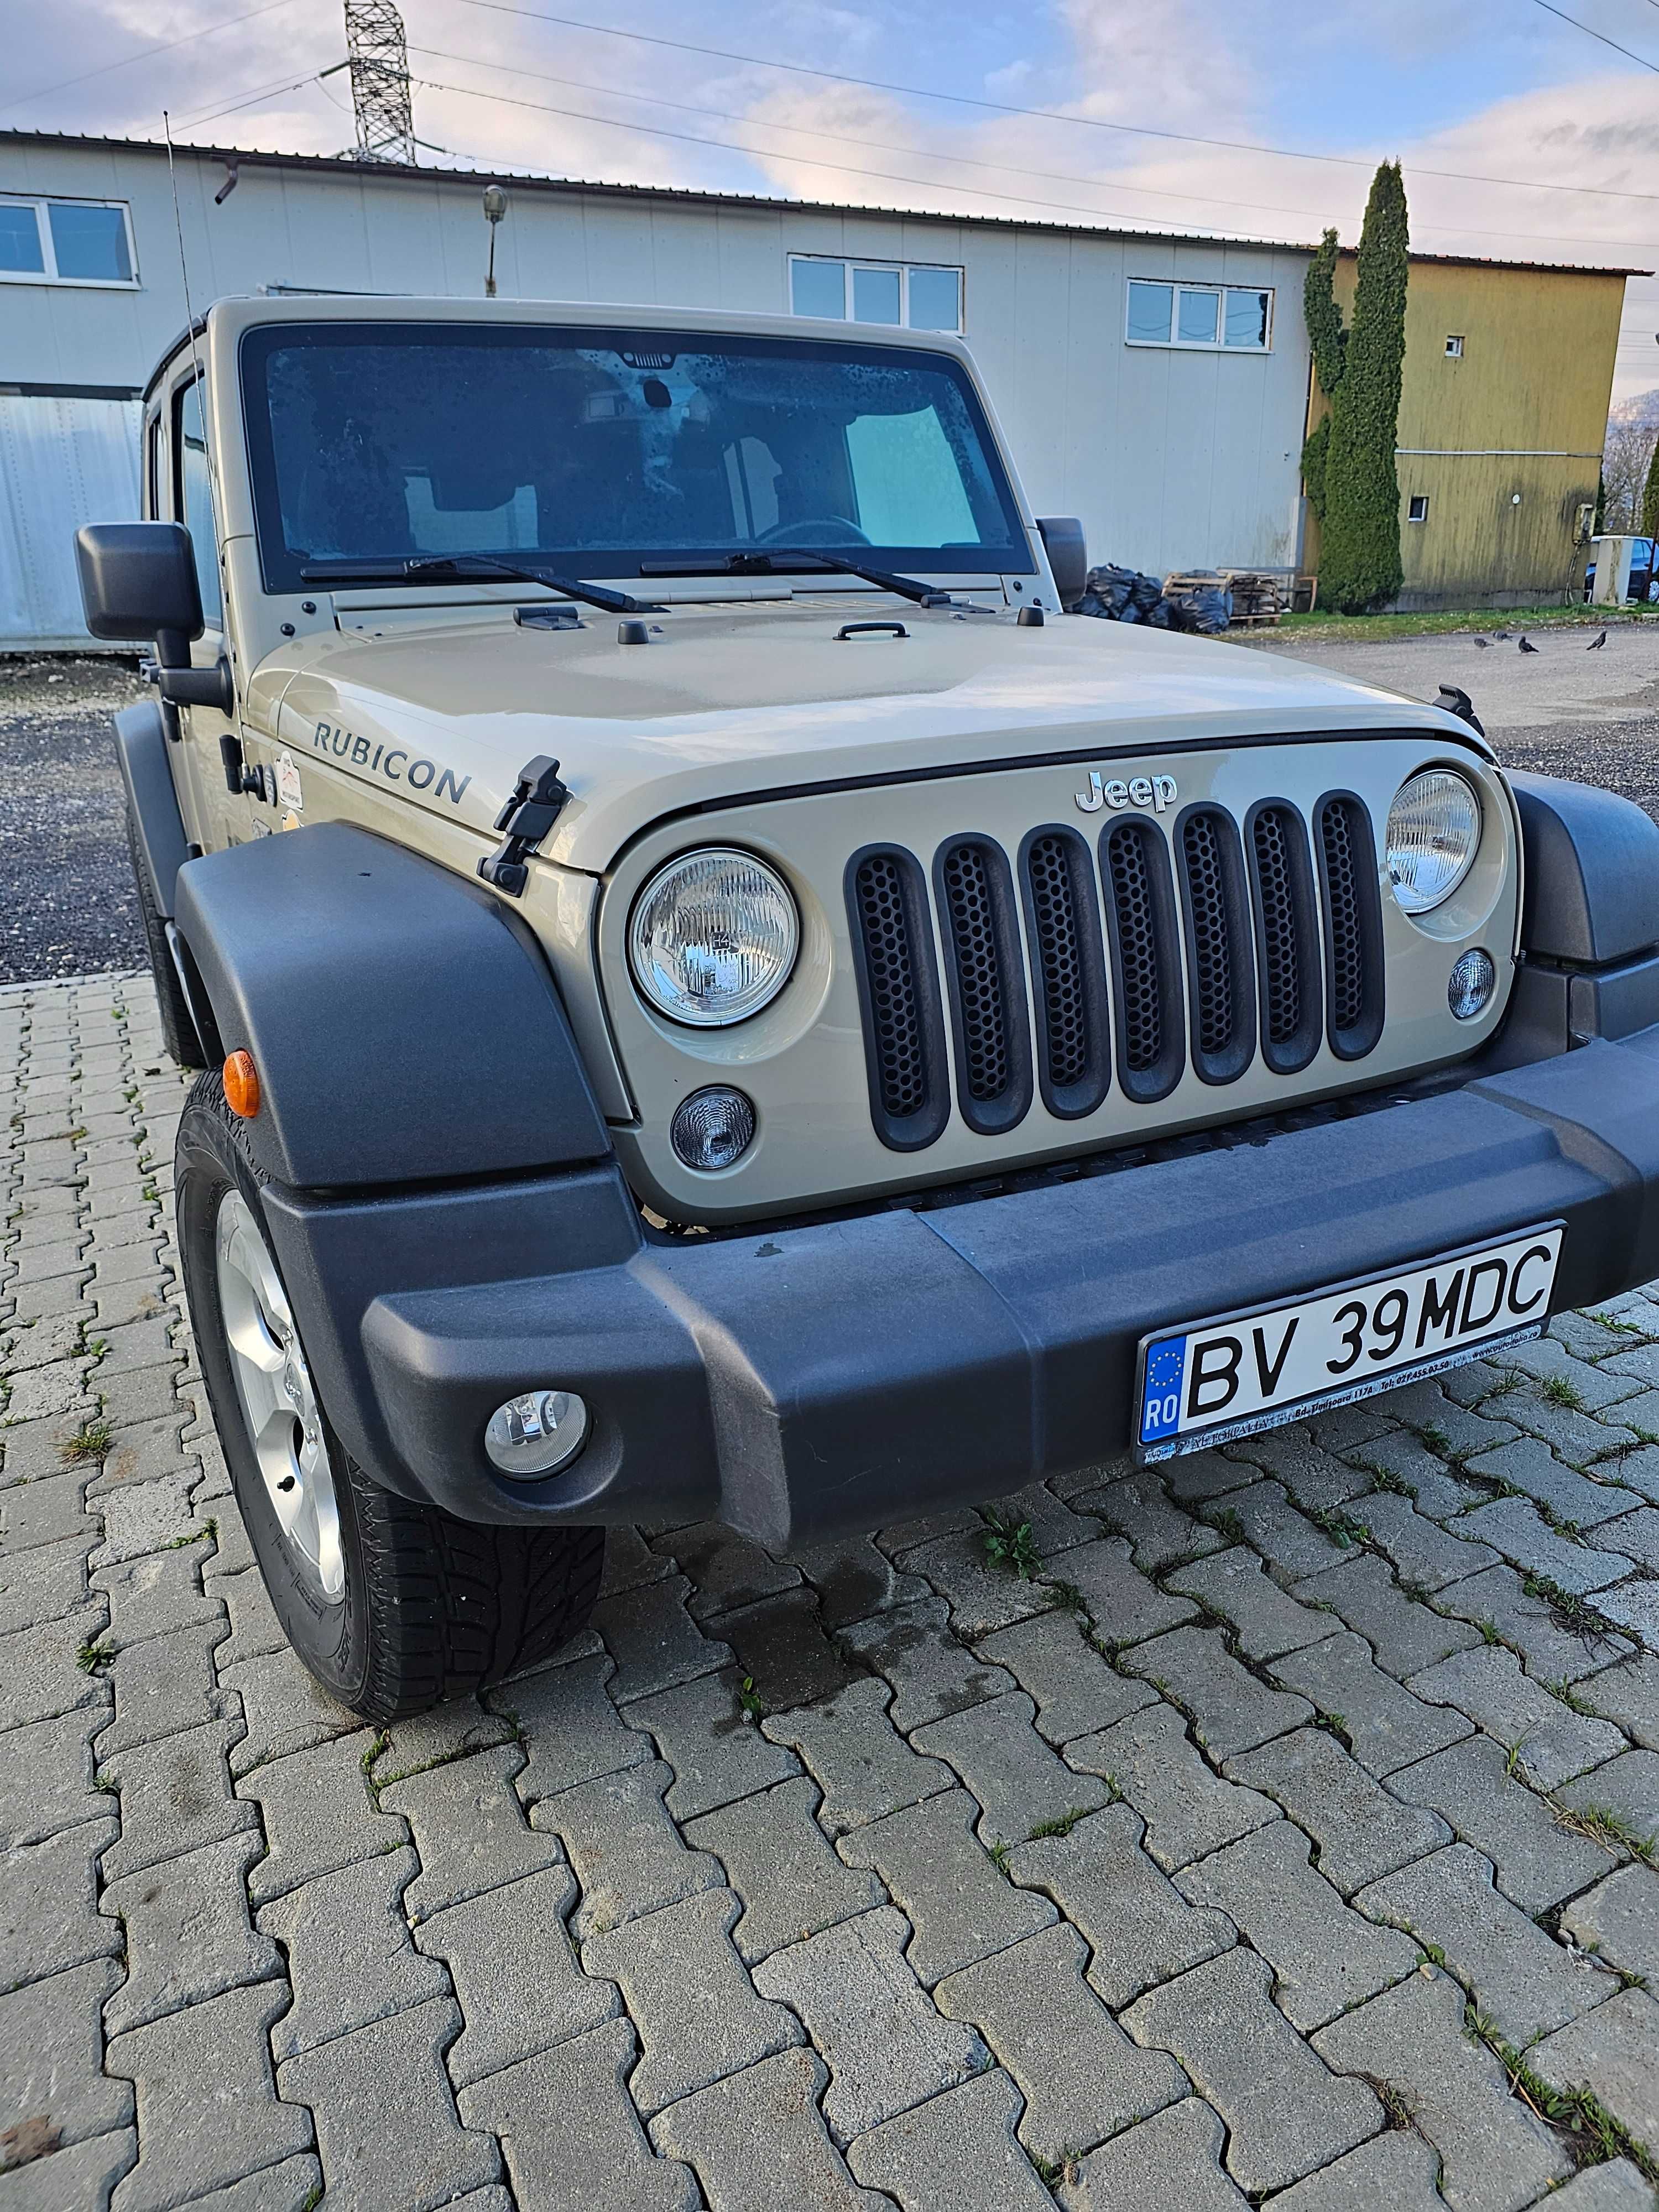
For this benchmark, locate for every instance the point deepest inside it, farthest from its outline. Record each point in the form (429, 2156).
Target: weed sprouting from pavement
(1062, 1826)
(1599, 1824)
(90, 1441)
(1567, 1609)
(1011, 1544)
(1589, 2130)
(1561, 1392)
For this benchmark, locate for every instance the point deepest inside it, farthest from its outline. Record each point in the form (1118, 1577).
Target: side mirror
(1068, 556)
(138, 580)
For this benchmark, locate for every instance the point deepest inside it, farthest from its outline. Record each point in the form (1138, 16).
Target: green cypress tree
(1359, 562)
(1650, 496)
(1326, 336)
(1328, 343)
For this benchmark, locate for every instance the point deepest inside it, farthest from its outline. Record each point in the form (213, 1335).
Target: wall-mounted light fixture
(495, 207)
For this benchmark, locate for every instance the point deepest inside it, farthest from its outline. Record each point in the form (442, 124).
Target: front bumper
(796, 1381)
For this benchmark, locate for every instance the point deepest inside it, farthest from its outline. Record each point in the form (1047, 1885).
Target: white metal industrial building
(1155, 385)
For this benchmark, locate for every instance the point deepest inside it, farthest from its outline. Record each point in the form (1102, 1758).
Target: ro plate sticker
(289, 791)
(1166, 1375)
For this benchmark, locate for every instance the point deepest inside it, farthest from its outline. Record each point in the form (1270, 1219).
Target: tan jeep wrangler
(717, 998)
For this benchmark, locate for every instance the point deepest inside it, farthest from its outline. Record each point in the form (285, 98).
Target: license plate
(1210, 1381)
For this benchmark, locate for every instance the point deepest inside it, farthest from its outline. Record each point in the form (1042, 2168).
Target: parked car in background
(1643, 583)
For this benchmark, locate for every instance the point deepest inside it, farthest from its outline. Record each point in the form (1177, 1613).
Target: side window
(193, 496)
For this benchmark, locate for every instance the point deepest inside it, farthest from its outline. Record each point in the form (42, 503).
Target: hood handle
(534, 807)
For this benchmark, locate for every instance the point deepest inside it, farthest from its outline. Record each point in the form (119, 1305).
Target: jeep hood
(727, 703)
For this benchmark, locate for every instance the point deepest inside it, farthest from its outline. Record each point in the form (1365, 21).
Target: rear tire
(178, 1023)
(391, 1605)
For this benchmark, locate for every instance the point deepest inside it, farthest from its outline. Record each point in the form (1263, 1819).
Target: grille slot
(1353, 925)
(1068, 971)
(1146, 959)
(1216, 908)
(1286, 935)
(988, 997)
(898, 991)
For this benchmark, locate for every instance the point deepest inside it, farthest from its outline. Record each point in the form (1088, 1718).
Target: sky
(1525, 136)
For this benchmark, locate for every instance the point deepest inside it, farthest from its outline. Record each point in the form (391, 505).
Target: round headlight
(1434, 827)
(713, 937)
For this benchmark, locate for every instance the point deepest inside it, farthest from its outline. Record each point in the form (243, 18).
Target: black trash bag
(1144, 592)
(1106, 593)
(1204, 609)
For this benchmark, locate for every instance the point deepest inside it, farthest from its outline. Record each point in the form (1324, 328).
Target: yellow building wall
(1505, 441)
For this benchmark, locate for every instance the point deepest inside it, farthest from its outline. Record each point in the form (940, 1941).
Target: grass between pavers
(1592, 2133)
(1360, 630)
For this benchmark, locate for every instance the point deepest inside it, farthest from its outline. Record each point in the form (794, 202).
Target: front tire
(391, 1605)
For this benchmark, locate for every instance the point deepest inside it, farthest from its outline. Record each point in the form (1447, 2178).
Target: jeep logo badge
(1157, 792)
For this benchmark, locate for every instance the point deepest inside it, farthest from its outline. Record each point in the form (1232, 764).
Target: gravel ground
(67, 906)
(66, 898)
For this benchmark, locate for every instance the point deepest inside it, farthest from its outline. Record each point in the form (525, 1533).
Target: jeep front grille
(1215, 945)
(898, 992)
(1287, 941)
(1068, 966)
(1353, 925)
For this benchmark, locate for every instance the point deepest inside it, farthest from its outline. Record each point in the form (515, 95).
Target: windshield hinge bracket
(534, 807)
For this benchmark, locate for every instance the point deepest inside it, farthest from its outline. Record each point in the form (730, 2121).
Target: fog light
(1471, 985)
(537, 1434)
(712, 1127)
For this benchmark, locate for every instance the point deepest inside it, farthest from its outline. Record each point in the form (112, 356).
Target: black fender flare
(1590, 921)
(1592, 872)
(140, 749)
(403, 1023)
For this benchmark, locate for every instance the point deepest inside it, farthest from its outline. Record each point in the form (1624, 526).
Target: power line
(252, 98)
(1549, 8)
(1038, 114)
(843, 168)
(931, 183)
(925, 154)
(143, 54)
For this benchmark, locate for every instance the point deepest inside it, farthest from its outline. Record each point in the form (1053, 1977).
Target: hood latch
(537, 798)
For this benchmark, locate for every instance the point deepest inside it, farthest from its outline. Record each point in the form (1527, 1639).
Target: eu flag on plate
(1160, 1400)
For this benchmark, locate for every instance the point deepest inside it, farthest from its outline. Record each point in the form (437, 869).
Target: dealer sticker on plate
(1212, 1380)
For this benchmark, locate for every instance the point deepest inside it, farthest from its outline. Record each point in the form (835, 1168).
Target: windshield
(595, 450)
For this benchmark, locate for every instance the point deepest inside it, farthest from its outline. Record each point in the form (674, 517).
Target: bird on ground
(1503, 636)
(1484, 644)
(1527, 646)
(1596, 643)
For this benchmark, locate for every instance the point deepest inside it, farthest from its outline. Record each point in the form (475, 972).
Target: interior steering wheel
(817, 529)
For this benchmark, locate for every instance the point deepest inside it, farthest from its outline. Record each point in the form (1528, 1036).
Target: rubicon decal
(396, 763)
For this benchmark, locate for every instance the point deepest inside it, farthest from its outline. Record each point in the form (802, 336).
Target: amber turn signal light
(242, 1084)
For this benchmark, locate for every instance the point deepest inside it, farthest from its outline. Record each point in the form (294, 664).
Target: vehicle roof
(247, 311)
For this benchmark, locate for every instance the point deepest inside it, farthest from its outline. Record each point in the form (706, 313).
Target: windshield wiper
(787, 560)
(441, 567)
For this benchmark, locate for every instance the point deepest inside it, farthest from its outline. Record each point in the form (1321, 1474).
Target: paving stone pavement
(1288, 1836)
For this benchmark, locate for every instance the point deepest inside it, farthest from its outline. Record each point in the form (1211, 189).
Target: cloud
(1514, 107)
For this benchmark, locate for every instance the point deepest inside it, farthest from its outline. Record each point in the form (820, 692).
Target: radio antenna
(214, 503)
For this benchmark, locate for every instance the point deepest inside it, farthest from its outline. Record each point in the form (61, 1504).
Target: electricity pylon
(380, 81)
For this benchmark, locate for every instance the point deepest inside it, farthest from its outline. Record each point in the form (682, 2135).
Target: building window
(1417, 509)
(905, 294)
(1218, 317)
(65, 242)
(1454, 349)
